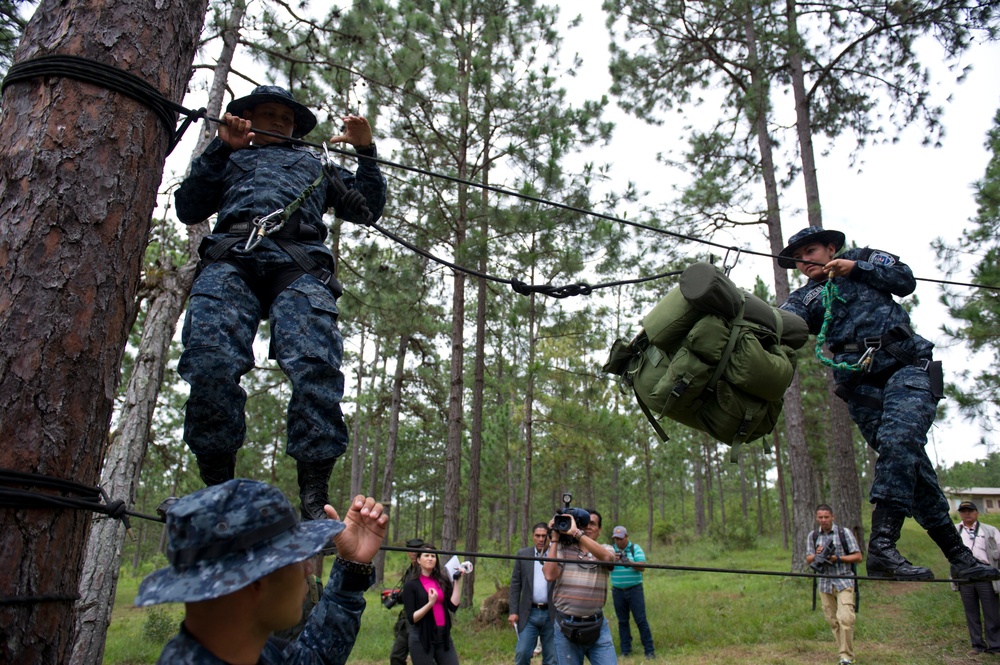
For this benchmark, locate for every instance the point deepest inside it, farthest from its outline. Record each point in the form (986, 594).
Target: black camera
(821, 559)
(391, 598)
(563, 520)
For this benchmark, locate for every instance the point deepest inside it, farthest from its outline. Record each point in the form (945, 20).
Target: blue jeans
(539, 625)
(632, 600)
(601, 652)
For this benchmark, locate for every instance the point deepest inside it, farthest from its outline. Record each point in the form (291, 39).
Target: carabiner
(726, 267)
(262, 227)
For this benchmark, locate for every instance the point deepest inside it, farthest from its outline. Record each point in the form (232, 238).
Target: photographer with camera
(833, 550)
(393, 597)
(429, 599)
(579, 586)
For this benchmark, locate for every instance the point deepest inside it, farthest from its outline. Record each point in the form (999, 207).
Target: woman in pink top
(429, 600)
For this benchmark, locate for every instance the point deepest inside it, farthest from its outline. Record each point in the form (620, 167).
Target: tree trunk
(478, 393)
(391, 441)
(120, 477)
(786, 524)
(453, 446)
(803, 124)
(803, 497)
(529, 418)
(647, 461)
(79, 169)
(356, 433)
(845, 492)
(699, 492)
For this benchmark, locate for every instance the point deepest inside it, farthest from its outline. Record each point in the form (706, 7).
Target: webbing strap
(737, 323)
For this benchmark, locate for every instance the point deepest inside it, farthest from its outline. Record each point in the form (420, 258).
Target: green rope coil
(830, 294)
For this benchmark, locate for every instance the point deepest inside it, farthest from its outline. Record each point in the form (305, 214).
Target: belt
(540, 606)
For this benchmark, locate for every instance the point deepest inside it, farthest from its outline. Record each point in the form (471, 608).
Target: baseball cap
(619, 532)
(225, 537)
(967, 505)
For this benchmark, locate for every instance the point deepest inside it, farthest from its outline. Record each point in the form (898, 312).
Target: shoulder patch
(812, 295)
(880, 258)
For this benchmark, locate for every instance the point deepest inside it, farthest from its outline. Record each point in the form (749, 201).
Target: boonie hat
(619, 532)
(967, 505)
(415, 542)
(225, 537)
(305, 121)
(805, 237)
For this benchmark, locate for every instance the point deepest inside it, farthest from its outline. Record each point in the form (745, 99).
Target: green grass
(696, 618)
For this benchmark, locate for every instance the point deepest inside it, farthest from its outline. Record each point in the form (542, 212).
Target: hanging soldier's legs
(218, 334)
(309, 349)
(897, 432)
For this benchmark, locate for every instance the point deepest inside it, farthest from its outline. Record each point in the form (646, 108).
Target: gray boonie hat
(225, 537)
(305, 121)
(805, 237)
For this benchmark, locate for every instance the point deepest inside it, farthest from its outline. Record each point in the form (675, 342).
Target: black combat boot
(884, 560)
(314, 482)
(964, 566)
(216, 469)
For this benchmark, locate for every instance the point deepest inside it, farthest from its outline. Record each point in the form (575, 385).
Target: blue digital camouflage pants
(904, 476)
(221, 323)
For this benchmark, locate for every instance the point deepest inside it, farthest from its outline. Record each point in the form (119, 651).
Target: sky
(899, 196)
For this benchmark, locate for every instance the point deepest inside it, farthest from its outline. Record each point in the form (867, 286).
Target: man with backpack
(833, 550)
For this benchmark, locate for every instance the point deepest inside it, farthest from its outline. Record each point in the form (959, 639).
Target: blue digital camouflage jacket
(256, 181)
(868, 309)
(327, 639)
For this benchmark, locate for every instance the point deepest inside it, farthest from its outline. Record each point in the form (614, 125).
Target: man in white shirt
(984, 542)
(530, 612)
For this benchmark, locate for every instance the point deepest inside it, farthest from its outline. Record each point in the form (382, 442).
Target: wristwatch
(355, 567)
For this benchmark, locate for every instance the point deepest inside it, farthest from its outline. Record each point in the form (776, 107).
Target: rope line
(76, 496)
(126, 83)
(831, 295)
(662, 566)
(90, 499)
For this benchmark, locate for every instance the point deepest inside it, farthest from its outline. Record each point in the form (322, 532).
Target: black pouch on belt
(582, 632)
(936, 373)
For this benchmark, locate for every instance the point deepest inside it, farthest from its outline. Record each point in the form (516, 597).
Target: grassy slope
(696, 618)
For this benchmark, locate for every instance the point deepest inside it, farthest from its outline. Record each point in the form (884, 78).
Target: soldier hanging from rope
(886, 374)
(266, 259)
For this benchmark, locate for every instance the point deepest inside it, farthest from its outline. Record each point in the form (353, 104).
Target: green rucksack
(713, 357)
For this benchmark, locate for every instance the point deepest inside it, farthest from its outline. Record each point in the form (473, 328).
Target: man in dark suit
(530, 613)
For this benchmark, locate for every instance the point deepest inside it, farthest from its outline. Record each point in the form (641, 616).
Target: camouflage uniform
(328, 637)
(205, 564)
(231, 295)
(897, 427)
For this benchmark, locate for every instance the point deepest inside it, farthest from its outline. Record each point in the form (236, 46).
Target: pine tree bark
(79, 169)
(127, 449)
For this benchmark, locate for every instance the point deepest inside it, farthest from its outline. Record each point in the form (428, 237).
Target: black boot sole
(895, 576)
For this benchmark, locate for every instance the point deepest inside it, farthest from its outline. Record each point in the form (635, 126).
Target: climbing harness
(272, 223)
